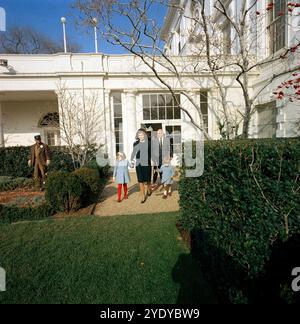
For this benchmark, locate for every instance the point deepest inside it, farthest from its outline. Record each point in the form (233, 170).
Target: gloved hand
(48, 162)
(29, 163)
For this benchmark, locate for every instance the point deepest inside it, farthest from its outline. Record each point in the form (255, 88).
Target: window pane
(267, 120)
(154, 100)
(204, 108)
(203, 96)
(162, 113)
(277, 26)
(50, 120)
(117, 98)
(169, 130)
(154, 113)
(147, 113)
(161, 101)
(117, 137)
(170, 114)
(158, 104)
(50, 138)
(175, 133)
(118, 120)
(118, 111)
(178, 100)
(118, 124)
(177, 113)
(169, 100)
(177, 129)
(146, 101)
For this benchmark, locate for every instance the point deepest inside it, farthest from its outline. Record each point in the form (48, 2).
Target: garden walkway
(108, 205)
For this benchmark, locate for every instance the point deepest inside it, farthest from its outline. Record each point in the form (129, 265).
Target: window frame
(273, 18)
(118, 120)
(261, 127)
(158, 107)
(204, 115)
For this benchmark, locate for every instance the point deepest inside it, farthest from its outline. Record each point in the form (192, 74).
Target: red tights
(120, 191)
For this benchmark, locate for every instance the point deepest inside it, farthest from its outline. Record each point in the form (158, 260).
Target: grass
(123, 259)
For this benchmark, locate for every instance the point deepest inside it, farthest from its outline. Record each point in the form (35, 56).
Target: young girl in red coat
(121, 175)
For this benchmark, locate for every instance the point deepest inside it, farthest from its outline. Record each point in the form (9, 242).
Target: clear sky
(44, 16)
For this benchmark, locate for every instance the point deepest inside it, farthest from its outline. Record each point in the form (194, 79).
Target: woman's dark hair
(143, 131)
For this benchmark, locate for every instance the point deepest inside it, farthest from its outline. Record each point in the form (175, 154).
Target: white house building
(274, 30)
(130, 96)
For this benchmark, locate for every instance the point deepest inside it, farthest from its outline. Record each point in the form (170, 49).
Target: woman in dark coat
(142, 154)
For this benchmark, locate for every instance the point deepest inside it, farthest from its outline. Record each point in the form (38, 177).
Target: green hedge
(65, 192)
(91, 178)
(103, 171)
(11, 214)
(13, 161)
(10, 183)
(246, 202)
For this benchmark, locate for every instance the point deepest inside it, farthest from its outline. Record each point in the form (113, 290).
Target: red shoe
(126, 197)
(119, 200)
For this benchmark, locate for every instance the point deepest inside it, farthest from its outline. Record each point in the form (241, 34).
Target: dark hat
(37, 137)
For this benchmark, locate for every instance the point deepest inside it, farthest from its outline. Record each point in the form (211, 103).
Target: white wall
(20, 120)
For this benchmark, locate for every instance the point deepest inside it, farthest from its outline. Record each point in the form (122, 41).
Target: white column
(63, 141)
(189, 131)
(129, 120)
(108, 125)
(1, 128)
(214, 103)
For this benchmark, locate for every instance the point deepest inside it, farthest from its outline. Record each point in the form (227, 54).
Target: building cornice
(51, 75)
(171, 14)
(119, 74)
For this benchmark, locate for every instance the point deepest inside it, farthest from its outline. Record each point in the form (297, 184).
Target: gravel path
(108, 205)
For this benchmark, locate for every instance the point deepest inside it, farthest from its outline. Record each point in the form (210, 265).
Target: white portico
(128, 96)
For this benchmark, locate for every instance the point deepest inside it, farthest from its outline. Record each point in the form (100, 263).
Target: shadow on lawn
(225, 275)
(193, 287)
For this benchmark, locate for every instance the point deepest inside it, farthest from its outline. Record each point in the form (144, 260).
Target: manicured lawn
(123, 259)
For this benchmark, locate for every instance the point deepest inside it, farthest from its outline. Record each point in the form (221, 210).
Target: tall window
(118, 121)
(179, 40)
(267, 120)
(227, 38)
(161, 107)
(204, 108)
(277, 26)
(50, 128)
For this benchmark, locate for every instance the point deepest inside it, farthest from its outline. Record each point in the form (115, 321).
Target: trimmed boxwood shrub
(11, 214)
(91, 178)
(103, 171)
(65, 192)
(10, 183)
(13, 161)
(246, 201)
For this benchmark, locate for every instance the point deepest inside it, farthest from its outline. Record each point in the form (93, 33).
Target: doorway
(152, 128)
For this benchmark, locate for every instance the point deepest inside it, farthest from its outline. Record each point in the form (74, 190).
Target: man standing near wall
(39, 158)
